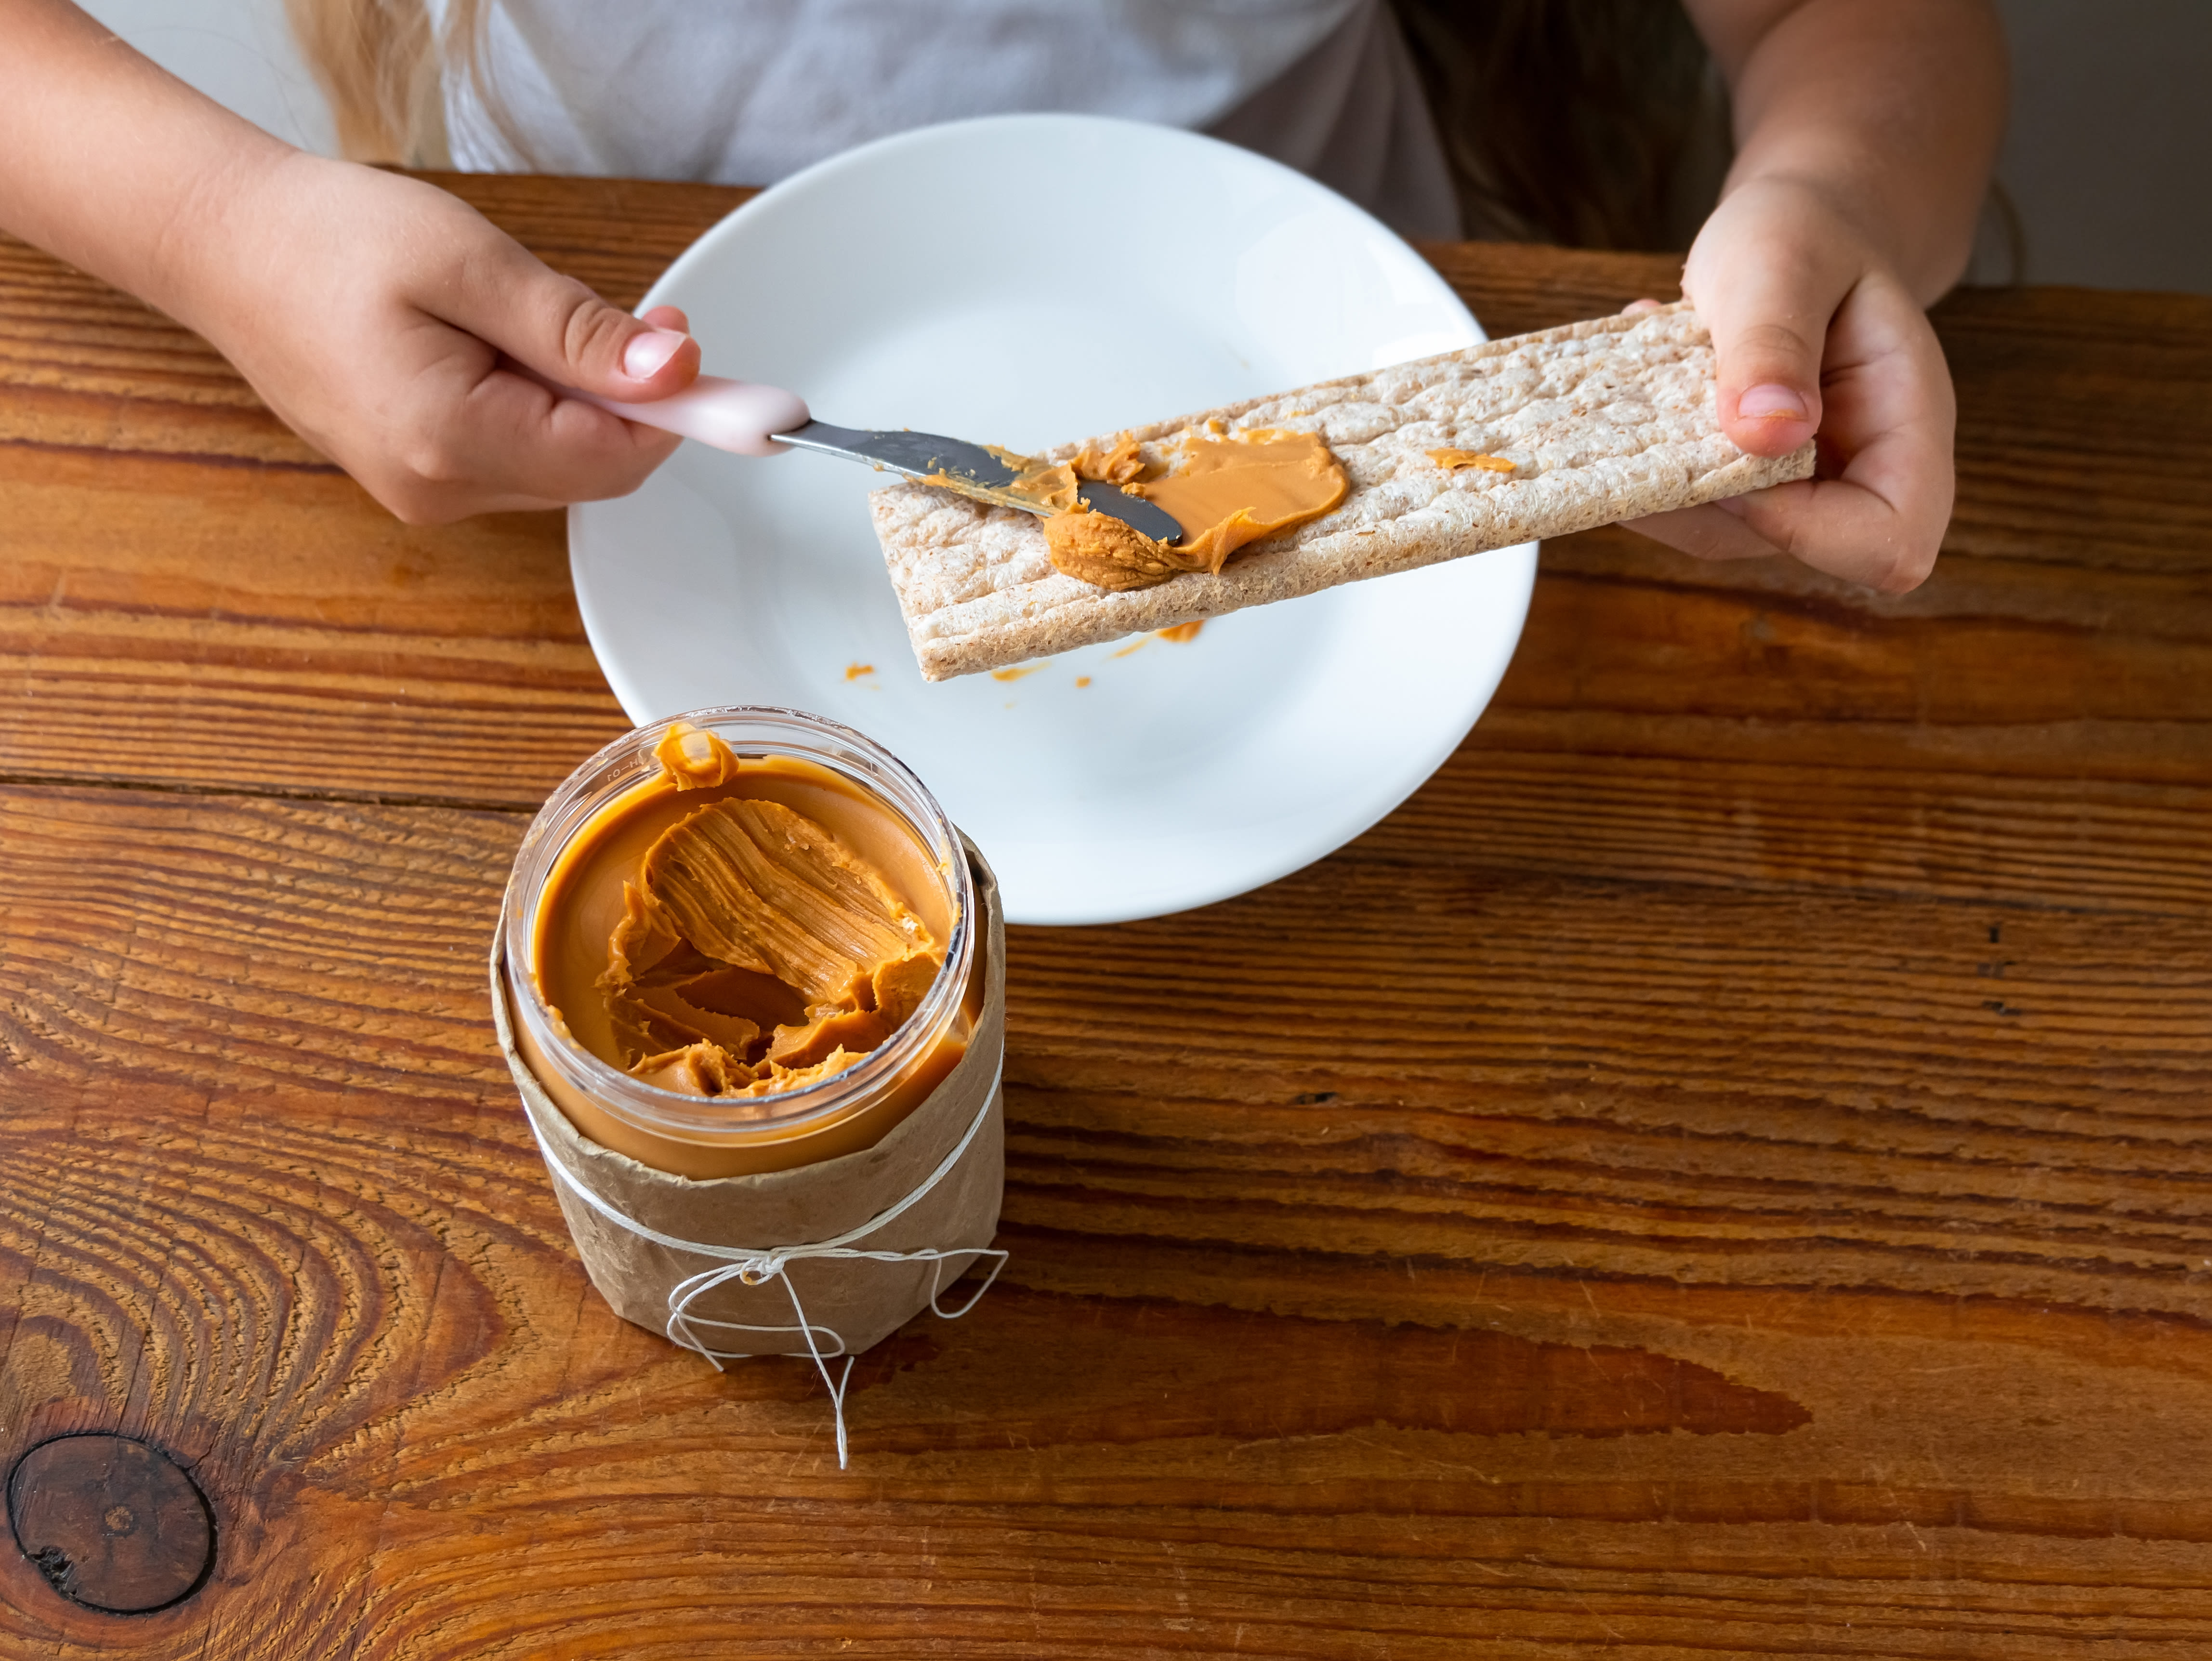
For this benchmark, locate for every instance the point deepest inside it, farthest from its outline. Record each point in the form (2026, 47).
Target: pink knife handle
(737, 416)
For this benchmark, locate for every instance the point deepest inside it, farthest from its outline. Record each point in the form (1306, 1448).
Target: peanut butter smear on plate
(1225, 489)
(756, 952)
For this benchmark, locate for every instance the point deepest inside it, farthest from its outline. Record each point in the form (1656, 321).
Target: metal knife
(747, 418)
(973, 470)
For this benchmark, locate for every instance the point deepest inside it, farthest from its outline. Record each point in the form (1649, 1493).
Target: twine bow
(755, 1266)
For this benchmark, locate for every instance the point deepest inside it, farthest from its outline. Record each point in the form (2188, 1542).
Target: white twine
(755, 1266)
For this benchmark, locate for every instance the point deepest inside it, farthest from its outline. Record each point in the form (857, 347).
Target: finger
(499, 439)
(1881, 519)
(500, 292)
(1767, 302)
(1767, 350)
(1851, 530)
(524, 439)
(1637, 307)
(668, 317)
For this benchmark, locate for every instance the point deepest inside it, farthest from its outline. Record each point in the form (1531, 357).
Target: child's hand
(1865, 133)
(1813, 334)
(370, 311)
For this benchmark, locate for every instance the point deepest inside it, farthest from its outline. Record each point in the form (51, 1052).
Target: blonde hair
(383, 65)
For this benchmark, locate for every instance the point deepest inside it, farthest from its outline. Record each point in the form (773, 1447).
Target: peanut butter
(1453, 460)
(1231, 491)
(739, 928)
(1053, 485)
(1224, 490)
(1108, 552)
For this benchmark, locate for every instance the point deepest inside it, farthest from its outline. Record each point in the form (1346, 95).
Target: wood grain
(1591, 1255)
(1720, 1172)
(1587, 1288)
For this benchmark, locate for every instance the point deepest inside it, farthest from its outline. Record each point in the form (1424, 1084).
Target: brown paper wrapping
(861, 1301)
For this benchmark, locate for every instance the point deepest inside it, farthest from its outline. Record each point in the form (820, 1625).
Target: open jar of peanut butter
(751, 986)
(742, 942)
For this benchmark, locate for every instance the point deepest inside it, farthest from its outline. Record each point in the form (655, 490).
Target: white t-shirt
(744, 92)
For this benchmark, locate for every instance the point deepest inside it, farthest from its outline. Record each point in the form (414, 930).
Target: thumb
(1769, 370)
(1769, 327)
(507, 297)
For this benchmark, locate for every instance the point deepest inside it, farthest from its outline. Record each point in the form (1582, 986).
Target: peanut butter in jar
(739, 942)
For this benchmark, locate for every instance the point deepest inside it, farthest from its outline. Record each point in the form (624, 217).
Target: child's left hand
(1814, 335)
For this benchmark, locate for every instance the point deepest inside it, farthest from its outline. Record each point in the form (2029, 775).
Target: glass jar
(708, 1136)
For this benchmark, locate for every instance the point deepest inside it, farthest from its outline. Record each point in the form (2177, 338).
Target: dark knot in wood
(111, 1522)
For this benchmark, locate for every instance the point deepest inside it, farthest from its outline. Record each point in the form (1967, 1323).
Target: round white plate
(1021, 280)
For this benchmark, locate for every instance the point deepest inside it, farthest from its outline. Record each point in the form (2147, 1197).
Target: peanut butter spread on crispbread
(1453, 460)
(1224, 490)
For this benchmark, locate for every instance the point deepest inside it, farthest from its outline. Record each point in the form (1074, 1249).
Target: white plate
(1022, 280)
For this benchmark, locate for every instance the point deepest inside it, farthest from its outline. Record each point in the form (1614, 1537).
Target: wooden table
(1726, 1170)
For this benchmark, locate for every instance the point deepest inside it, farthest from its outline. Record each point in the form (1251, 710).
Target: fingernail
(646, 354)
(1770, 402)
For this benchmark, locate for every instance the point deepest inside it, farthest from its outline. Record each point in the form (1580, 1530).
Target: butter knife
(747, 418)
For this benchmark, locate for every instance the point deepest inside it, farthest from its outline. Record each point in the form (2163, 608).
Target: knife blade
(749, 418)
(974, 471)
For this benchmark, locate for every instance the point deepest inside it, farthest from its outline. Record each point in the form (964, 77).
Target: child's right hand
(370, 311)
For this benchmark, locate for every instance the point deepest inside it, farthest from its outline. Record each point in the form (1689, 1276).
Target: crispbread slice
(1605, 420)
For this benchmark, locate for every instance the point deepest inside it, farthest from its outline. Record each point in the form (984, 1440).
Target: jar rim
(760, 731)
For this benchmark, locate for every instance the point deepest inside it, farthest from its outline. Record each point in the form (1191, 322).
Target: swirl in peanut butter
(755, 951)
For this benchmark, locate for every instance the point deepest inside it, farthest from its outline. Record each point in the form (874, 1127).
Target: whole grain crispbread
(1605, 420)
